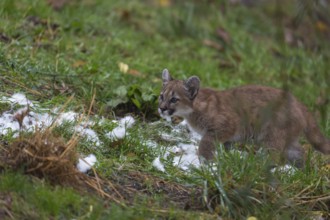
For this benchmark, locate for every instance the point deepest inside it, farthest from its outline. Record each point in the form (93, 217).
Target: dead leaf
(123, 67)
(223, 34)
(62, 88)
(156, 80)
(131, 155)
(236, 57)
(288, 36)
(4, 38)
(226, 64)
(125, 15)
(321, 26)
(79, 63)
(57, 4)
(213, 44)
(326, 168)
(134, 72)
(164, 3)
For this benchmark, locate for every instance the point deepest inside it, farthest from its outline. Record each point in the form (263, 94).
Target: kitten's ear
(192, 86)
(166, 77)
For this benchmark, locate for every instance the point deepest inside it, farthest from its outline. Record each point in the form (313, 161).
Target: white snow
(89, 134)
(19, 99)
(158, 165)
(287, 169)
(127, 121)
(67, 117)
(8, 123)
(86, 164)
(8, 119)
(117, 133)
(188, 158)
(151, 144)
(120, 131)
(185, 154)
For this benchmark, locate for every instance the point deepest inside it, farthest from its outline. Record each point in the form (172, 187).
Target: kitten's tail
(314, 135)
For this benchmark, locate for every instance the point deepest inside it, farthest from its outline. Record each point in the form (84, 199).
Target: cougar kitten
(269, 117)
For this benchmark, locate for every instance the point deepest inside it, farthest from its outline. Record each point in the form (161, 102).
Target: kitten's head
(177, 96)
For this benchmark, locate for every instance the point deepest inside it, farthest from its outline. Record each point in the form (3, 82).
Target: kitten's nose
(163, 109)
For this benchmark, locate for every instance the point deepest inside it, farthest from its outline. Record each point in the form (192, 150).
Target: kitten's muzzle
(166, 111)
(163, 109)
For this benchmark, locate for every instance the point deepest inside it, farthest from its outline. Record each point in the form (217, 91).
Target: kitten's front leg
(207, 146)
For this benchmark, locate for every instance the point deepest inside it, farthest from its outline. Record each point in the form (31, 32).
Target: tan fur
(267, 116)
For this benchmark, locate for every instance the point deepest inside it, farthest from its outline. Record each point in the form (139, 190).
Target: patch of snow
(41, 120)
(151, 144)
(8, 123)
(67, 117)
(186, 161)
(175, 150)
(117, 133)
(87, 163)
(185, 149)
(127, 122)
(8, 120)
(193, 134)
(19, 99)
(168, 137)
(158, 164)
(120, 131)
(89, 134)
(188, 158)
(288, 169)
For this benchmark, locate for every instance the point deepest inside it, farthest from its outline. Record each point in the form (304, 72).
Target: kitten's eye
(174, 100)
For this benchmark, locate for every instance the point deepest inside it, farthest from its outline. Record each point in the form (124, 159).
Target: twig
(315, 200)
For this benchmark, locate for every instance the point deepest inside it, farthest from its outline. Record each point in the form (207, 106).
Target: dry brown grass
(48, 156)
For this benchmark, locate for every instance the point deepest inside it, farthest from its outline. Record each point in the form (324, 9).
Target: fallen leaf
(78, 63)
(123, 67)
(156, 80)
(125, 15)
(321, 26)
(326, 169)
(226, 64)
(213, 44)
(131, 155)
(57, 4)
(288, 36)
(4, 38)
(223, 34)
(63, 88)
(134, 72)
(164, 3)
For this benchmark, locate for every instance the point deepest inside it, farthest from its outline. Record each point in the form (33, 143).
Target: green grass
(51, 55)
